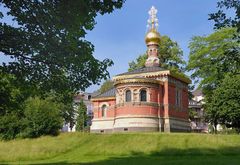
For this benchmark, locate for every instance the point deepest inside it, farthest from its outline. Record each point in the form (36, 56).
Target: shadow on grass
(171, 156)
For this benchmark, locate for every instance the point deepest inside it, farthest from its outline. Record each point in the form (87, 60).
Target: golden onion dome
(152, 37)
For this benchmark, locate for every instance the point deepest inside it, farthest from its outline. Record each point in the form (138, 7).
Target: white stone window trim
(125, 95)
(147, 94)
(178, 97)
(100, 107)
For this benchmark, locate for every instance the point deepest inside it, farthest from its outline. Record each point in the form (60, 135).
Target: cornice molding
(136, 80)
(103, 98)
(143, 75)
(153, 75)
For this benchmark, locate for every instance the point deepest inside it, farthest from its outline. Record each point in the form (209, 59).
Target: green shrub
(42, 117)
(10, 126)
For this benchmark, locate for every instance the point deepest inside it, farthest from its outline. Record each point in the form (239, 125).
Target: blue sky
(120, 35)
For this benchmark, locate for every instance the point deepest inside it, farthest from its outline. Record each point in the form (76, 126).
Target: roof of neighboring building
(197, 92)
(194, 102)
(108, 93)
(95, 93)
(85, 96)
(143, 70)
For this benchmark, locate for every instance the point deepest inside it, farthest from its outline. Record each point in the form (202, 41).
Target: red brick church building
(146, 99)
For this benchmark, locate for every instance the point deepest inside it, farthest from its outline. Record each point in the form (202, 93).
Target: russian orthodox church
(146, 99)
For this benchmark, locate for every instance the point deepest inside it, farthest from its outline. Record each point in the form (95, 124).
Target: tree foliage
(42, 117)
(11, 111)
(192, 113)
(69, 115)
(108, 84)
(208, 59)
(82, 117)
(35, 118)
(10, 95)
(211, 58)
(225, 102)
(170, 56)
(47, 42)
(10, 125)
(217, 65)
(221, 19)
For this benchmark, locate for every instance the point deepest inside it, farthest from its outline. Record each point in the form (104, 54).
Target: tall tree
(226, 102)
(47, 42)
(211, 58)
(50, 54)
(217, 56)
(82, 117)
(69, 114)
(170, 56)
(208, 61)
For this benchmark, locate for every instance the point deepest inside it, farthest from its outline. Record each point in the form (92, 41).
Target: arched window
(89, 97)
(143, 95)
(128, 96)
(178, 97)
(104, 110)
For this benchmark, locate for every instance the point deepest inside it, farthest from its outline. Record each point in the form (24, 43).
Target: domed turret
(152, 39)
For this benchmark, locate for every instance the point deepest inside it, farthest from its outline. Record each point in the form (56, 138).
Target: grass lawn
(124, 149)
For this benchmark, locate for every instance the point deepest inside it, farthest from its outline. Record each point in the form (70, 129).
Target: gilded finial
(152, 21)
(152, 36)
(152, 39)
